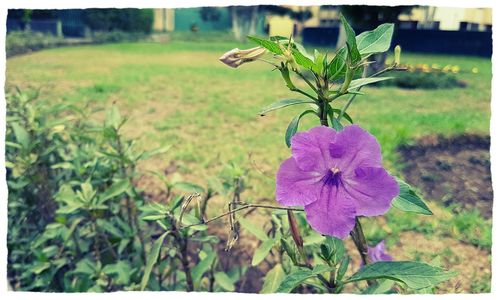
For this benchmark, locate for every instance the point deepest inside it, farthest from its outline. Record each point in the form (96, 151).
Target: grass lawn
(180, 94)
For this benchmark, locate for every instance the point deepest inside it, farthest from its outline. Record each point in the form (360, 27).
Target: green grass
(180, 94)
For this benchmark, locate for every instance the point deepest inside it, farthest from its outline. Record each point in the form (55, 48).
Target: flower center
(333, 177)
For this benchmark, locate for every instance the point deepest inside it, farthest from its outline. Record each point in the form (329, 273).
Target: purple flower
(378, 253)
(336, 176)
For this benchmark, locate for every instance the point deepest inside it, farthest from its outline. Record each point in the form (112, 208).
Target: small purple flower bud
(236, 57)
(294, 228)
(378, 253)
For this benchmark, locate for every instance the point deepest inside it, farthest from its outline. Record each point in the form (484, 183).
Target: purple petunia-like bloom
(336, 176)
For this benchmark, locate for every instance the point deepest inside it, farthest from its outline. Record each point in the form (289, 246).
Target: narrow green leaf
(291, 130)
(269, 45)
(189, 187)
(114, 190)
(375, 41)
(203, 266)
(22, 135)
(224, 281)
(408, 200)
(262, 251)
(337, 67)
(351, 41)
(415, 275)
(151, 260)
(273, 279)
(357, 83)
(302, 60)
(155, 152)
(382, 287)
(154, 217)
(113, 117)
(292, 280)
(253, 229)
(283, 103)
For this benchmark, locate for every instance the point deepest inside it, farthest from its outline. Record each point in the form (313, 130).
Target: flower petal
(372, 190)
(310, 149)
(295, 186)
(334, 214)
(354, 147)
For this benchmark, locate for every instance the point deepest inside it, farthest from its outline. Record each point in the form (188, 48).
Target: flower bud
(397, 55)
(294, 228)
(236, 57)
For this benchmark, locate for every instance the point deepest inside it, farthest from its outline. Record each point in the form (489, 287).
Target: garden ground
(180, 94)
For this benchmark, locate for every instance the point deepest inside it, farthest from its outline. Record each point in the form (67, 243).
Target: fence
(478, 43)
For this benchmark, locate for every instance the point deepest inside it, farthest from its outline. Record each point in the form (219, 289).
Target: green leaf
(408, 200)
(344, 264)
(415, 275)
(291, 130)
(337, 67)
(122, 271)
(335, 249)
(154, 217)
(381, 287)
(289, 250)
(151, 260)
(253, 229)
(375, 41)
(351, 41)
(358, 83)
(224, 281)
(302, 60)
(283, 103)
(157, 151)
(346, 116)
(261, 252)
(273, 279)
(189, 187)
(269, 45)
(109, 227)
(113, 117)
(298, 276)
(22, 135)
(203, 266)
(114, 190)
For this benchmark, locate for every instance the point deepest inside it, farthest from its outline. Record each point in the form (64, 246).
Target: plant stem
(351, 99)
(247, 206)
(307, 81)
(360, 241)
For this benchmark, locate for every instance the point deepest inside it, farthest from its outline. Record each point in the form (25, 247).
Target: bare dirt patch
(452, 170)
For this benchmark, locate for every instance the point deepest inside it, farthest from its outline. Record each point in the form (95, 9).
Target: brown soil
(451, 170)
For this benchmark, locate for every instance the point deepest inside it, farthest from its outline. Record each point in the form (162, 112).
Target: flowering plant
(335, 172)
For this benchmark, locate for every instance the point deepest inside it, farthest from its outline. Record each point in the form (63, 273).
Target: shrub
(19, 42)
(129, 19)
(75, 214)
(422, 80)
(116, 36)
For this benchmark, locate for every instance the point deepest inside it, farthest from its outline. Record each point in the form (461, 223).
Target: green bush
(116, 36)
(76, 219)
(422, 80)
(129, 19)
(19, 42)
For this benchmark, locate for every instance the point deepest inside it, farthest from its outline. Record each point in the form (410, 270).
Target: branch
(247, 206)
